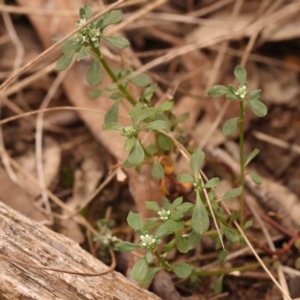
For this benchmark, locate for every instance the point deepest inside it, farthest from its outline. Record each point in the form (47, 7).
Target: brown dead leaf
(15, 196)
(51, 161)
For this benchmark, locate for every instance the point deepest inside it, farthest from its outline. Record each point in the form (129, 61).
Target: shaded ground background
(192, 45)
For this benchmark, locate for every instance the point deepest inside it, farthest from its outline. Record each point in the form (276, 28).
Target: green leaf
(251, 156)
(157, 171)
(212, 182)
(144, 114)
(231, 96)
(248, 224)
(255, 178)
(88, 11)
(70, 46)
(230, 234)
(151, 149)
(231, 194)
(117, 41)
(162, 117)
(156, 125)
(166, 203)
(64, 62)
(182, 270)
(149, 257)
(185, 178)
(168, 247)
(112, 115)
(176, 202)
(218, 91)
(185, 207)
(297, 263)
(200, 219)
(81, 13)
(94, 75)
(222, 256)
(135, 221)
(164, 142)
(218, 285)
(111, 87)
(234, 215)
(240, 74)
(136, 111)
(258, 108)
(211, 195)
(148, 92)
(181, 118)
(150, 225)
(126, 247)
(151, 205)
(165, 106)
(116, 96)
(140, 80)
(137, 154)
(168, 226)
(112, 126)
(229, 126)
(175, 225)
(181, 243)
(139, 270)
(127, 164)
(193, 240)
(196, 161)
(129, 144)
(112, 17)
(176, 216)
(95, 93)
(254, 94)
(149, 276)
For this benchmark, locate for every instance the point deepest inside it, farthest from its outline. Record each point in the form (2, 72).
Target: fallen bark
(26, 240)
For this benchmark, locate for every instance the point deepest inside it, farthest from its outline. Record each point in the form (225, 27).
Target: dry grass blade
(63, 13)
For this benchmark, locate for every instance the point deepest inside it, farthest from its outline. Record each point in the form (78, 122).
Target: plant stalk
(242, 162)
(230, 270)
(162, 261)
(121, 87)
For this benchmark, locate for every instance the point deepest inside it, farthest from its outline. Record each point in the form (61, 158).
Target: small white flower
(142, 237)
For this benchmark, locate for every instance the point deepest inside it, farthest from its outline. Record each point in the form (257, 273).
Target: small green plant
(177, 224)
(246, 100)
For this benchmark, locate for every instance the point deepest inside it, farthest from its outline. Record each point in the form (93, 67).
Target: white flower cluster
(147, 241)
(241, 92)
(87, 33)
(164, 214)
(128, 131)
(80, 22)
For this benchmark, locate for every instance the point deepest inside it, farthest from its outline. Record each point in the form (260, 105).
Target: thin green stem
(230, 270)
(163, 263)
(242, 162)
(121, 87)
